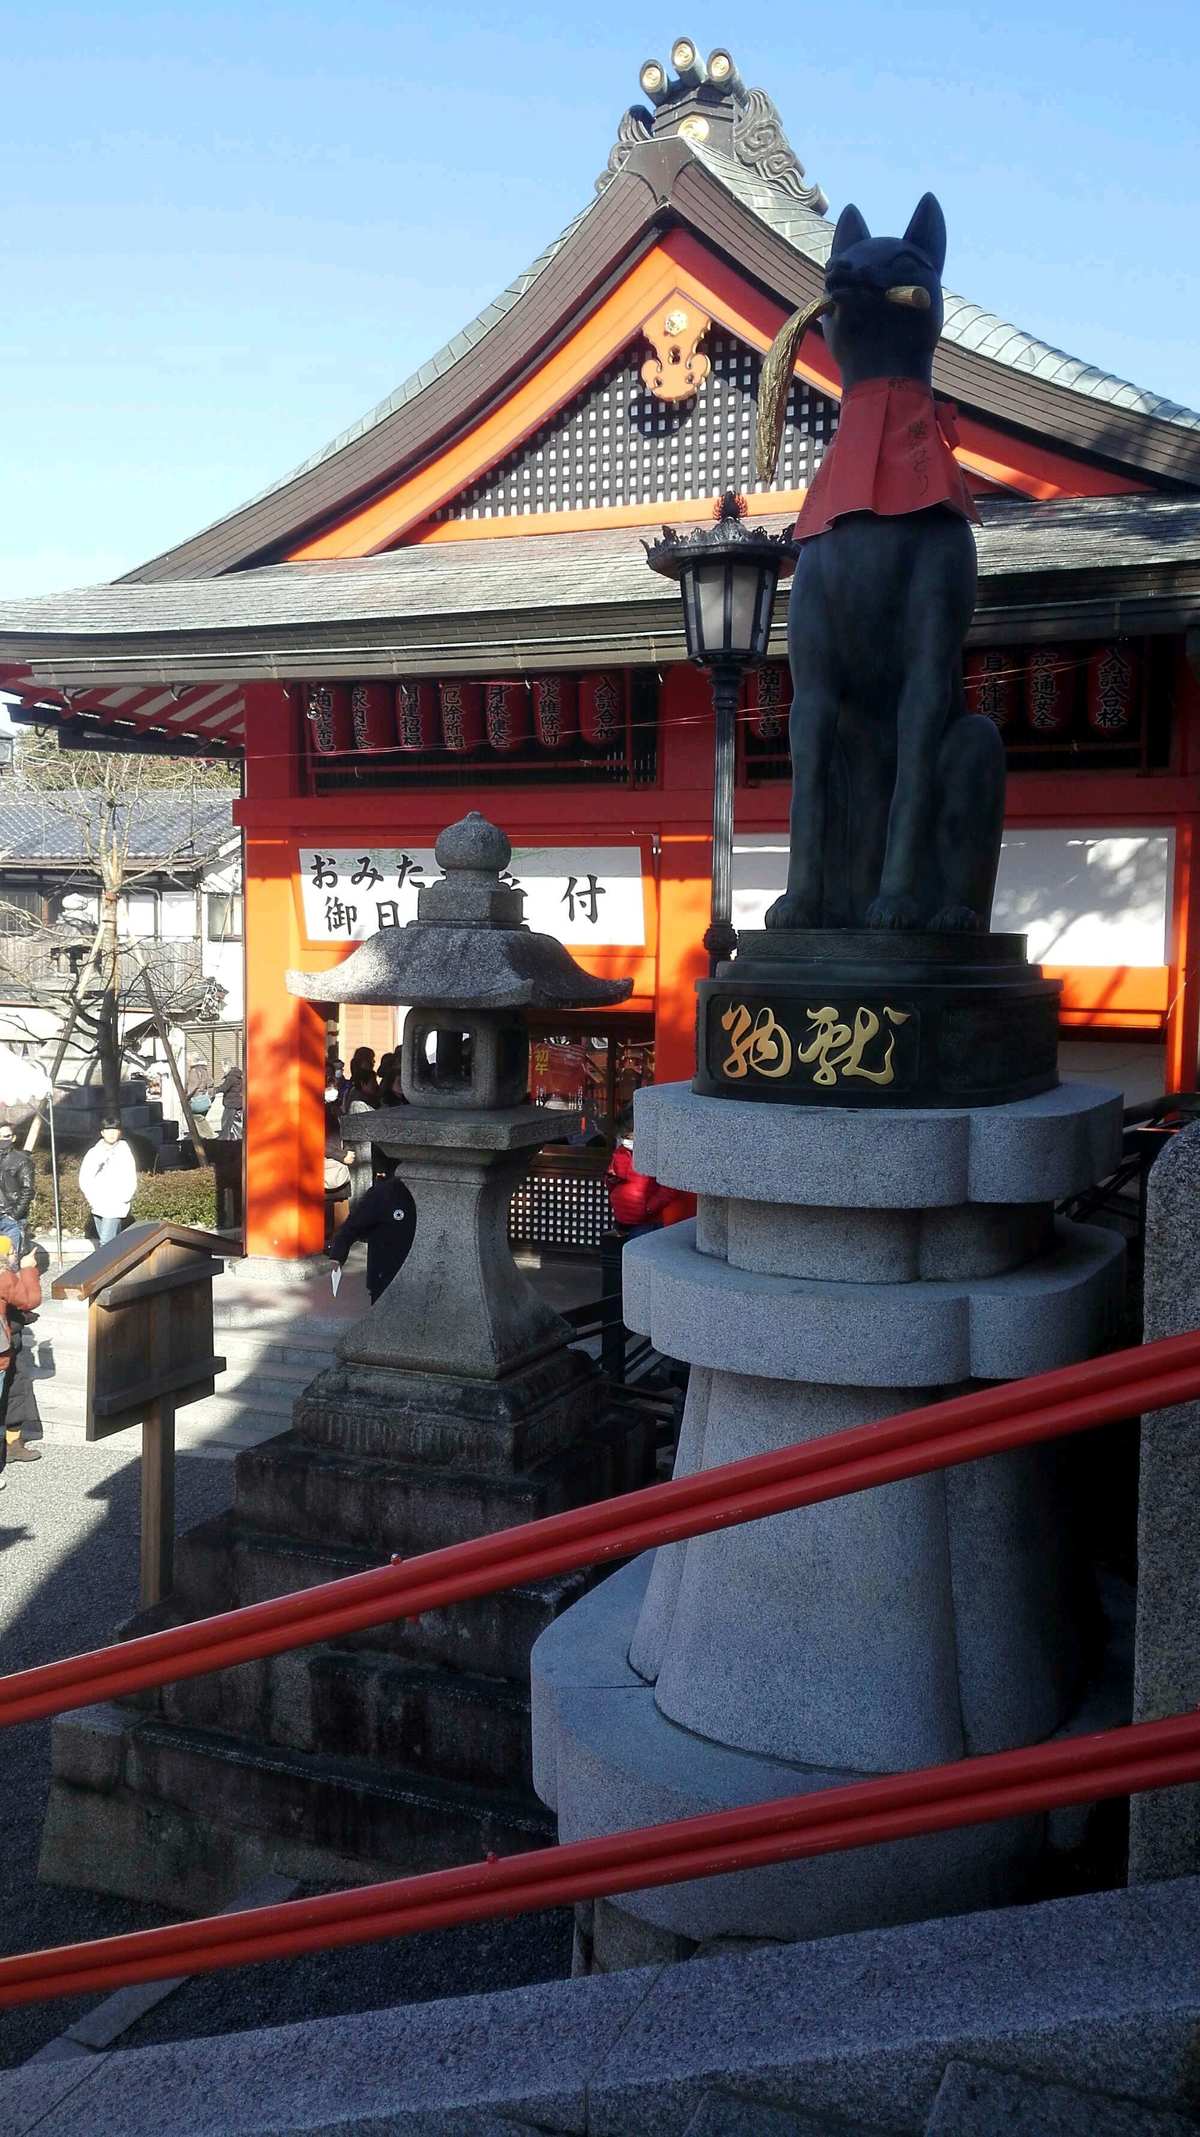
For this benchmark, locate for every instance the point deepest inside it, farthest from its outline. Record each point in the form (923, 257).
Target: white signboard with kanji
(583, 895)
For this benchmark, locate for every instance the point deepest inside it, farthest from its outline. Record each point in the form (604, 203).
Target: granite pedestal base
(909, 1625)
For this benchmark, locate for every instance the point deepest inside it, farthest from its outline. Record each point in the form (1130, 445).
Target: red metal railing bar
(1005, 1784)
(990, 1421)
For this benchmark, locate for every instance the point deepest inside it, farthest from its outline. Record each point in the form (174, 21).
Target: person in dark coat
(16, 1187)
(20, 1294)
(386, 1217)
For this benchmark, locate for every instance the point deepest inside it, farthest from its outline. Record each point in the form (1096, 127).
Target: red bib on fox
(892, 453)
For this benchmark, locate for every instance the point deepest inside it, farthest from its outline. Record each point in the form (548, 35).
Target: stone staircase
(1073, 2016)
(275, 1339)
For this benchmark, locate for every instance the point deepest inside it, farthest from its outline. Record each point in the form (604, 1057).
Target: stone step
(393, 1713)
(1099, 1989)
(220, 1425)
(728, 2114)
(293, 1488)
(66, 1374)
(165, 1808)
(221, 1565)
(976, 2101)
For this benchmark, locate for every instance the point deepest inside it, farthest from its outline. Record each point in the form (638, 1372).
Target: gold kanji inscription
(837, 1051)
(758, 1043)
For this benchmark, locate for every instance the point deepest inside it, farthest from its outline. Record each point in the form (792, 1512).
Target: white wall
(1088, 897)
(224, 961)
(1083, 897)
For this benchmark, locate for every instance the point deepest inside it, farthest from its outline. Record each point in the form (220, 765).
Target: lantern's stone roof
(468, 947)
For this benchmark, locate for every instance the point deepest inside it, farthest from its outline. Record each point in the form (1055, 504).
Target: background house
(180, 910)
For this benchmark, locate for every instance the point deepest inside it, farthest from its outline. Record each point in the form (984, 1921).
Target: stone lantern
(458, 1406)
(481, 1354)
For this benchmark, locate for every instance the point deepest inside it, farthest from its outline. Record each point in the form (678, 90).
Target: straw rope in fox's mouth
(780, 361)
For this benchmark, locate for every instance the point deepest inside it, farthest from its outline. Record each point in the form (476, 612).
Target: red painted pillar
(1183, 1012)
(285, 1038)
(685, 868)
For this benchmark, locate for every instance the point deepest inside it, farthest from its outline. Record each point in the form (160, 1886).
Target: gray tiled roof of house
(574, 570)
(41, 827)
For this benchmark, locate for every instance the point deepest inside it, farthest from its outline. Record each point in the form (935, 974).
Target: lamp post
(727, 575)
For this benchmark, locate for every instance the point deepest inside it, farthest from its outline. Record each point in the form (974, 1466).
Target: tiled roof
(39, 827)
(811, 234)
(572, 570)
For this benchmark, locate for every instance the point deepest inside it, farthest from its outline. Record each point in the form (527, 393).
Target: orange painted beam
(669, 513)
(1113, 997)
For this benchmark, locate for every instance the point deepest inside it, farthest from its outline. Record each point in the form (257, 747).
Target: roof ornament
(636, 126)
(760, 143)
(709, 104)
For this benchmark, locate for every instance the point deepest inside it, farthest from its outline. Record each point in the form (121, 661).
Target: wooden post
(158, 1502)
(150, 1333)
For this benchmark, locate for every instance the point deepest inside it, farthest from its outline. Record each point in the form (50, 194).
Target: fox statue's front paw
(899, 912)
(956, 920)
(793, 910)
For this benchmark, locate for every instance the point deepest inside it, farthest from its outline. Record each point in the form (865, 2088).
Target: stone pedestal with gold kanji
(842, 1266)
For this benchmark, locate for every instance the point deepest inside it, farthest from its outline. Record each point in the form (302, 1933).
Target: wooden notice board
(150, 1350)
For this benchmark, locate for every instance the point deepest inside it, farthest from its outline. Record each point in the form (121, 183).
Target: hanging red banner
(331, 717)
(506, 711)
(1049, 689)
(602, 710)
(374, 716)
(992, 676)
(1112, 688)
(462, 716)
(416, 715)
(555, 710)
(768, 701)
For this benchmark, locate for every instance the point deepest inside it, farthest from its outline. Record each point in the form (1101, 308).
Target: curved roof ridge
(432, 368)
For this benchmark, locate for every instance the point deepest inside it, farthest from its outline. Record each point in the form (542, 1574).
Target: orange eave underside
(679, 262)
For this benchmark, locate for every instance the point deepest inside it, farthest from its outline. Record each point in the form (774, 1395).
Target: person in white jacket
(108, 1180)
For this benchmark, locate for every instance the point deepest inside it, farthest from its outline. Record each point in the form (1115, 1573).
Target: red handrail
(978, 1791)
(936, 1436)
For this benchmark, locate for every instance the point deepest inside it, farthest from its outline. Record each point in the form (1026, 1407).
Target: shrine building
(449, 607)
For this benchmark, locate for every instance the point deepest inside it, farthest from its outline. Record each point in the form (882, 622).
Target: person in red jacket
(638, 1202)
(20, 1288)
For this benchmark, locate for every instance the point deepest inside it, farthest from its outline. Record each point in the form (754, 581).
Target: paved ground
(68, 1576)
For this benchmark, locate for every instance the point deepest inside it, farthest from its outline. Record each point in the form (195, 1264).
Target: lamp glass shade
(727, 609)
(745, 587)
(710, 602)
(761, 635)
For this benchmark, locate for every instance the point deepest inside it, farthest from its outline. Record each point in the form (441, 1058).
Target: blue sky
(231, 229)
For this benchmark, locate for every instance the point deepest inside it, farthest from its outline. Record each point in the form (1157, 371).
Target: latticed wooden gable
(616, 443)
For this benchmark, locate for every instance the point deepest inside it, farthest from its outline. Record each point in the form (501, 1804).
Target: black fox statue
(898, 791)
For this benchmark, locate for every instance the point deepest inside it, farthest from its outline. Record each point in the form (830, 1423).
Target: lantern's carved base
(487, 1425)
(404, 1747)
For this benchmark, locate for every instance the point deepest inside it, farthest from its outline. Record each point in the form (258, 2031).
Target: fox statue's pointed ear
(851, 229)
(927, 231)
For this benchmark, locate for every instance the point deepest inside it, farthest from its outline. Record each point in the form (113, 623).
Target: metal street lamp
(727, 575)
